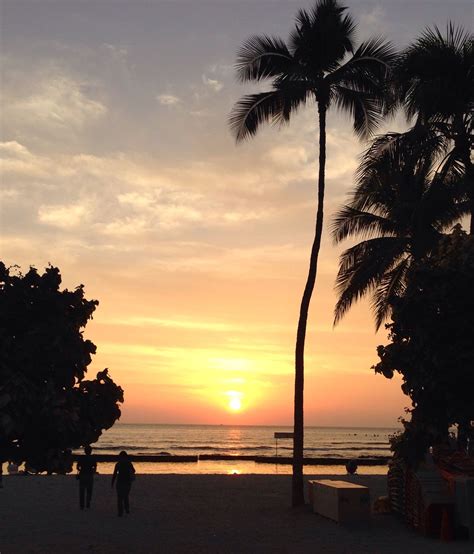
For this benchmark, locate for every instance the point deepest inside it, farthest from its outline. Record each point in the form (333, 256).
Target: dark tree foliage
(433, 80)
(431, 344)
(399, 209)
(46, 405)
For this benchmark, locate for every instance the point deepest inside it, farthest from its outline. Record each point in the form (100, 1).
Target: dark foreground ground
(192, 514)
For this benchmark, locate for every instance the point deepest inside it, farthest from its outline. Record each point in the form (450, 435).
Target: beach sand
(192, 514)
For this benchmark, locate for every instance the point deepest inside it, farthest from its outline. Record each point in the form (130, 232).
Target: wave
(119, 447)
(232, 445)
(375, 443)
(202, 449)
(350, 448)
(221, 448)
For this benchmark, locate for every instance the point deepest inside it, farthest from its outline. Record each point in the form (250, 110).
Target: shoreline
(284, 460)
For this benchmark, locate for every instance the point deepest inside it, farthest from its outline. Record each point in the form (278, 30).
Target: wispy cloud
(57, 100)
(168, 99)
(224, 69)
(18, 161)
(213, 84)
(66, 216)
(197, 324)
(119, 53)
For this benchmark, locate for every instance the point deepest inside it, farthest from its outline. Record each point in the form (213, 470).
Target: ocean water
(320, 442)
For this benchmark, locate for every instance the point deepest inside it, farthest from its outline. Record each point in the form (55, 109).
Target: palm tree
(400, 207)
(434, 83)
(319, 64)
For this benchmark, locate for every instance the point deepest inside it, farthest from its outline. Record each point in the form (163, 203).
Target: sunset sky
(119, 168)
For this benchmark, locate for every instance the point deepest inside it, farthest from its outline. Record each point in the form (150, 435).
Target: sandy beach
(195, 514)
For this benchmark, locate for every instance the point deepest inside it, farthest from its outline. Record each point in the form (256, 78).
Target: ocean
(179, 440)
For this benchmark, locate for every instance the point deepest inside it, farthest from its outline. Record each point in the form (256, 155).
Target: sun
(234, 400)
(235, 404)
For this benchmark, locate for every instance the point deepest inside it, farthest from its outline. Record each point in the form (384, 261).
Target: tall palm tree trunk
(463, 144)
(470, 186)
(298, 440)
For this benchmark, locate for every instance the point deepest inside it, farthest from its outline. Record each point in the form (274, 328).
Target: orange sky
(230, 333)
(119, 168)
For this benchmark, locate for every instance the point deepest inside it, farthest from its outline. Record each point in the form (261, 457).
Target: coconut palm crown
(319, 64)
(434, 84)
(434, 77)
(400, 207)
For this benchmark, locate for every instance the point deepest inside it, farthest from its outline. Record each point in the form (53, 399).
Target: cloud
(137, 196)
(167, 209)
(289, 156)
(131, 198)
(66, 216)
(56, 101)
(168, 99)
(8, 194)
(375, 18)
(14, 149)
(213, 84)
(202, 325)
(245, 216)
(18, 161)
(201, 113)
(137, 200)
(224, 69)
(199, 216)
(117, 52)
(128, 226)
(343, 155)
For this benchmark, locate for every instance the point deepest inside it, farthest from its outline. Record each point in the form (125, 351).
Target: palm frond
(391, 286)
(416, 148)
(393, 163)
(367, 72)
(349, 222)
(369, 66)
(455, 38)
(452, 166)
(362, 267)
(263, 57)
(405, 202)
(440, 208)
(364, 108)
(322, 36)
(274, 106)
(434, 77)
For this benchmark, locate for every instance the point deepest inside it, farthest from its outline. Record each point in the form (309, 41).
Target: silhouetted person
(124, 473)
(351, 467)
(12, 467)
(86, 468)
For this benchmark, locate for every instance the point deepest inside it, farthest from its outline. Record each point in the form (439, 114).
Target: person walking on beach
(124, 473)
(86, 468)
